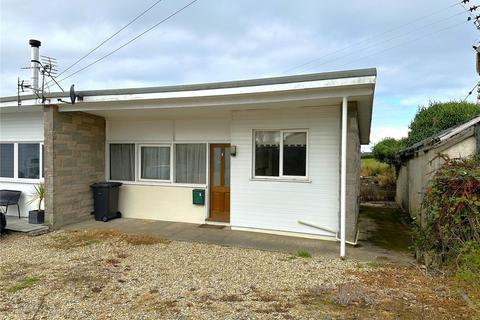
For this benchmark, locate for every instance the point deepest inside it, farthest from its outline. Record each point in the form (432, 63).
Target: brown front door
(220, 182)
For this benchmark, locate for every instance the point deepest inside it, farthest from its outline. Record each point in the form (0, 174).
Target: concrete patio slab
(21, 225)
(364, 252)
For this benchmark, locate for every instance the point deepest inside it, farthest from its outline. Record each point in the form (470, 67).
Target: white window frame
(139, 169)
(151, 182)
(15, 163)
(281, 176)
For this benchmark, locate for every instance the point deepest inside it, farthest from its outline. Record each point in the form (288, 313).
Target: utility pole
(477, 50)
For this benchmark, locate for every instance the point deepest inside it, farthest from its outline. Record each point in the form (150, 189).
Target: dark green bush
(386, 150)
(450, 223)
(437, 117)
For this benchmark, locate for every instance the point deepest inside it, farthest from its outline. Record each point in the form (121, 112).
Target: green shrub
(450, 223)
(469, 263)
(385, 151)
(437, 117)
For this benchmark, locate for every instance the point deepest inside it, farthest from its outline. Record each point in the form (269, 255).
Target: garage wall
(278, 205)
(415, 174)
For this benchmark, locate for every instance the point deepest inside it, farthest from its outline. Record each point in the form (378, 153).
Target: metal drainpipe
(343, 177)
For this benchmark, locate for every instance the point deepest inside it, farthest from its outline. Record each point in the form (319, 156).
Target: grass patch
(392, 229)
(372, 167)
(303, 254)
(84, 238)
(27, 282)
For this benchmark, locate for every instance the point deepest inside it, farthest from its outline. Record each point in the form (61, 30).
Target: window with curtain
(155, 162)
(122, 161)
(29, 160)
(190, 163)
(6, 160)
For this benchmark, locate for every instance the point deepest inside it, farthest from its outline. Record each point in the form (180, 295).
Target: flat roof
(213, 85)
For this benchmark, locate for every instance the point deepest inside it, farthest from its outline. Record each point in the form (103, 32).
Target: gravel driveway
(108, 275)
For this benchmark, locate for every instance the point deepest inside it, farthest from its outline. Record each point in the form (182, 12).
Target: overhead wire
(110, 37)
(405, 43)
(382, 42)
(470, 93)
(374, 36)
(131, 40)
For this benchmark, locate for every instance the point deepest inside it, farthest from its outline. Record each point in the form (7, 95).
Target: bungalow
(278, 155)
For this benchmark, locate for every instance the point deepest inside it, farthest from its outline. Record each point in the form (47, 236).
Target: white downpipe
(343, 177)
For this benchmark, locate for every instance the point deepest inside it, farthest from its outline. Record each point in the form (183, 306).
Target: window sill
(282, 179)
(161, 184)
(19, 180)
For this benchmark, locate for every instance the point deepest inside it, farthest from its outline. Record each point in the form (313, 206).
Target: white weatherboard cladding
(126, 130)
(21, 126)
(202, 130)
(191, 130)
(279, 205)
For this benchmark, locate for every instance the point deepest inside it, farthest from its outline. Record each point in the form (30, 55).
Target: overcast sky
(216, 40)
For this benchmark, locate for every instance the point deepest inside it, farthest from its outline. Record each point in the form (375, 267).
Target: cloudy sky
(422, 49)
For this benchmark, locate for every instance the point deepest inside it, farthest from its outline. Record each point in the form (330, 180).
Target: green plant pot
(36, 217)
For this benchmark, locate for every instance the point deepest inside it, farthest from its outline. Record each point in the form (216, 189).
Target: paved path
(365, 252)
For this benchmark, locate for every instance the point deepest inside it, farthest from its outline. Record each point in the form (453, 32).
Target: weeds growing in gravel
(27, 282)
(303, 254)
(90, 237)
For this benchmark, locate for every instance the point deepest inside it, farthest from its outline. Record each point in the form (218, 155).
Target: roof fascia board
(212, 101)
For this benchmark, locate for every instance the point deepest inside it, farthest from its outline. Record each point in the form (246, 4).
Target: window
(191, 163)
(280, 153)
(267, 153)
(155, 162)
(295, 154)
(6, 160)
(29, 160)
(122, 162)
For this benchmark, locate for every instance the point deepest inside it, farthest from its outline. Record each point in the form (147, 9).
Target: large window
(190, 163)
(21, 160)
(7, 160)
(280, 153)
(122, 161)
(155, 163)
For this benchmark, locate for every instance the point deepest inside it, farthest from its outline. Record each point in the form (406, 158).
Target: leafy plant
(438, 116)
(385, 151)
(38, 195)
(449, 227)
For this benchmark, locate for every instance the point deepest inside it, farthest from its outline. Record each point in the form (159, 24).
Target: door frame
(210, 179)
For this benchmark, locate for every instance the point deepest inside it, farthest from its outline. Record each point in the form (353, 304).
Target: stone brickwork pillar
(74, 159)
(353, 173)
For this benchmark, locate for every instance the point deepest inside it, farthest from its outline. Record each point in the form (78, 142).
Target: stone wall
(353, 173)
(74, 159)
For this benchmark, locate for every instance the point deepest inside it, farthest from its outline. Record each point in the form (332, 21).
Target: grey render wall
(415, 174)
(74, 159)
(353, 173)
